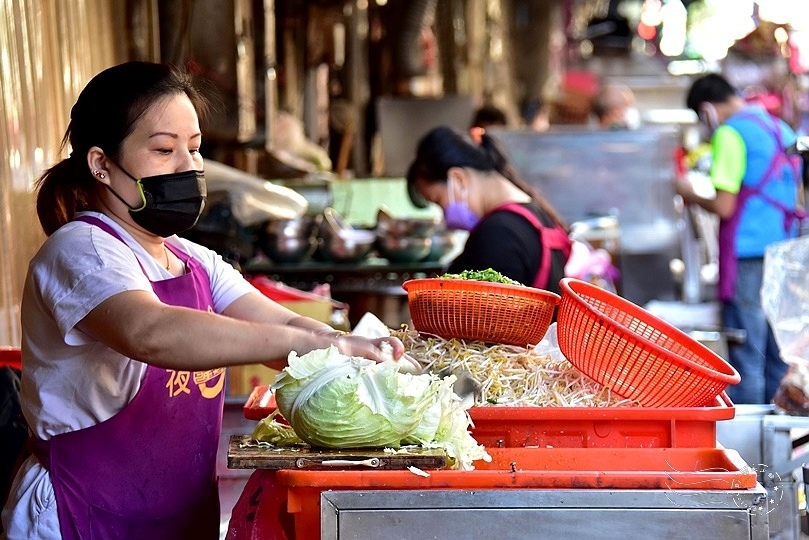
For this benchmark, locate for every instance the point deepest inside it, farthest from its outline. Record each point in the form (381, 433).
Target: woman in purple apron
(104, 476)
(127, 328)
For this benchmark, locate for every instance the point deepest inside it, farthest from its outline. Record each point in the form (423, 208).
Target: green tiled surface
(360, 199)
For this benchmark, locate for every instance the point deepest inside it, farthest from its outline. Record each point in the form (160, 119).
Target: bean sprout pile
(510, 375)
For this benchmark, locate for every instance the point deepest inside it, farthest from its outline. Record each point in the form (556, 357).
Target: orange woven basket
(635, 354)
(480, 310)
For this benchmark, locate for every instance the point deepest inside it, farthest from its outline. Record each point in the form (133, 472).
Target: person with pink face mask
(512, 229)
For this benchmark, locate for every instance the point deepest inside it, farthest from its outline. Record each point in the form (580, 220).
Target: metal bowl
(388, 225)
(346, 246)
(403, 249)
(288, 240)
(443, 241)
(339, 242)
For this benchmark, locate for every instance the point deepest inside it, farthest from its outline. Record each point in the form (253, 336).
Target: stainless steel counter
(766, 438)
(774, 444)
(520, 514)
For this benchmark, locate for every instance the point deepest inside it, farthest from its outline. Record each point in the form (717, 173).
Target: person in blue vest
(757, 186)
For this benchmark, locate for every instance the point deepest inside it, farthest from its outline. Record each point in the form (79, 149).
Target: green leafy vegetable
(335, 401)
(490, 275)
(270, 430)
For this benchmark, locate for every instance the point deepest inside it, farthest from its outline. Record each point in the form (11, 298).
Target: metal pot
(444, 241)
(600, 232)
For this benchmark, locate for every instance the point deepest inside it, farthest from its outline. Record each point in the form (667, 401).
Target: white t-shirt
(70, 381)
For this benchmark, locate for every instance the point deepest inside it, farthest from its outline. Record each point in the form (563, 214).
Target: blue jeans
(757, 359)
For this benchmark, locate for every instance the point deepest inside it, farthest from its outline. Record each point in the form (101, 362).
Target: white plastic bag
(549, 345)
(785, 296)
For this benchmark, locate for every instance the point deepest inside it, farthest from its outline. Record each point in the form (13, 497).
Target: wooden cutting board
(243, 453)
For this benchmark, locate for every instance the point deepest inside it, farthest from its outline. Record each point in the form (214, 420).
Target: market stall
(622, 448)
(619, 493)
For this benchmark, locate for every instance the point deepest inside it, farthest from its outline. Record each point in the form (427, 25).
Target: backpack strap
(551, 238)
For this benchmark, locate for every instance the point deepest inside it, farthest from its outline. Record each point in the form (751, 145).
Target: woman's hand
(379, 350)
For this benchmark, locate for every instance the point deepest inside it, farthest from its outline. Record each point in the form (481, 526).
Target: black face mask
(172, 203)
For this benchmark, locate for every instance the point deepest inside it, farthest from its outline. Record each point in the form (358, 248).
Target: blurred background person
(757, 187)
(614, 107)
(488, 116)
(536, 114)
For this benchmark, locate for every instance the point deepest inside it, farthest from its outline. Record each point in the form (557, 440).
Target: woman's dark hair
(443, 148)
(488, 115)
(711, 88)
(104, 114)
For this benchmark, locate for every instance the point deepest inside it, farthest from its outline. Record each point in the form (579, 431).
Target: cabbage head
(335, 401)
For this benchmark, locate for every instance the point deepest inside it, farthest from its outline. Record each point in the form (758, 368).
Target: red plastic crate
(600, 427)
(574, 427)
(530, 468)
(11, 356)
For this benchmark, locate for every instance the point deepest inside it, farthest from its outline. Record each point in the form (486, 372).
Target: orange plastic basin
(595, 427)
(575, 427)
(533, 468)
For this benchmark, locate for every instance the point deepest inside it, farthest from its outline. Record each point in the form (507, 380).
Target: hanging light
(673, 17)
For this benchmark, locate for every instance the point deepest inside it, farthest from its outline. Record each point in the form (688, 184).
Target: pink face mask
(458, 215)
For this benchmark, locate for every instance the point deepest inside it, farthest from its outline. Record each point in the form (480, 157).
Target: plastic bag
(785, 296)
(549, 345)
(785, 301)
(591, 265)
(253, 199)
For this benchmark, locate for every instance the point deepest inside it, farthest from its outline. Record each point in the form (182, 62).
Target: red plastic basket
(635, 354)
(480, 310)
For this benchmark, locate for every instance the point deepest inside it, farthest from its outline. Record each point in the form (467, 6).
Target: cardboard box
(241, 380)
(320, 310)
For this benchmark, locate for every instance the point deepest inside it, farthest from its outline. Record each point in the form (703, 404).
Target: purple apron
(552, 238)
(150, 470)
(728, 227)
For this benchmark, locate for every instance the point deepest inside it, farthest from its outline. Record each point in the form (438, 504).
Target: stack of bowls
(444, 241)
(404, 240)
(339, 242)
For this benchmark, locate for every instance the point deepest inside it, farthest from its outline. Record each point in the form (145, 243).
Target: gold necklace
(168, 260)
